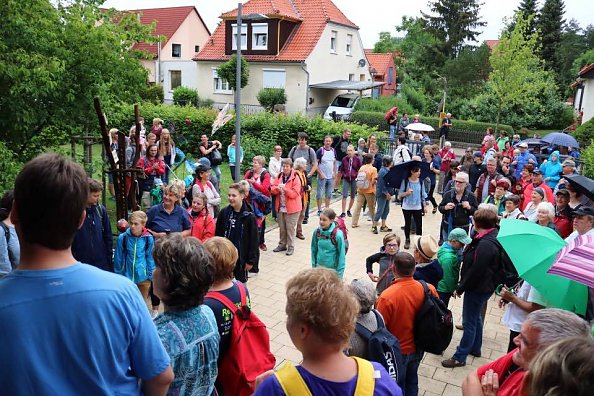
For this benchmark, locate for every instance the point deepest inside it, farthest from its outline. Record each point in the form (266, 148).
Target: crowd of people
(190, 259)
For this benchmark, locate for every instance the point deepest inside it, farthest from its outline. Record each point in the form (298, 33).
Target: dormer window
(243, 37)
(259, 36)
(333, 41)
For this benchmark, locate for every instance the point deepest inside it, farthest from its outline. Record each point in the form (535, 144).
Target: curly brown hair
(187, 270)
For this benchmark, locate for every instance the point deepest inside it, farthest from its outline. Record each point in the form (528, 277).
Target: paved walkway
(267, 290)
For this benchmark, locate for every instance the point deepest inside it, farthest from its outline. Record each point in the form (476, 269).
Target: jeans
(472, 338)
(392, 131)
(325, 187)
(408, 380)
(217, 171)
(349, 188)
(382, 208)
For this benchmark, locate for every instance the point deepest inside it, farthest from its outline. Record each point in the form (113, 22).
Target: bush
(268, 97)
(414, 98)
(588, 160)
(153, 94)
(585, 132)
(184, 96)
(9, 168)
(383, 104)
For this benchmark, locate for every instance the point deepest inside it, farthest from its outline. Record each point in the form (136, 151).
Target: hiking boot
(385, 229)
(407, 244)
(374, 229)
(342, 215)
(263, 247)
(452, 363)
(349, 213)
(300, 236)
(279, 248)
(304, 221)
(290, 251)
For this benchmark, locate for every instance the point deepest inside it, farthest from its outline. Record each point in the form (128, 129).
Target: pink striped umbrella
(576, 261)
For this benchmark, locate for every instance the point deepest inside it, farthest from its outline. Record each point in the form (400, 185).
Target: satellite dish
(362, 62)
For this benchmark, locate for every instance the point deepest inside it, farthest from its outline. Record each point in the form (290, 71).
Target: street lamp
(238, 87)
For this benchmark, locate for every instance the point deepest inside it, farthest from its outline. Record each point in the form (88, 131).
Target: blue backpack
(382, 347)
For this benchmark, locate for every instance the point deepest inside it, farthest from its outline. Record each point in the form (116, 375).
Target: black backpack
(382, 347)
(434, 325)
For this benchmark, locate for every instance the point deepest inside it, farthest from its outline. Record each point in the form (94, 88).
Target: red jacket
(530, 188)
(292, 192)
(203, 225)
(262, 184)
(447, 156)
(148, 166)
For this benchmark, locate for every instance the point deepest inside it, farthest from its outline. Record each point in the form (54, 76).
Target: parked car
(342, 106)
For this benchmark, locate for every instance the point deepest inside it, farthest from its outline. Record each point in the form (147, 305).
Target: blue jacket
(133, 256)
(522, 160)
(93, 243)
(552, 170)
(380, 186)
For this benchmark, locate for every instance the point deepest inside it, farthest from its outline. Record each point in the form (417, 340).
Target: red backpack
(340, 225)
(249, 352)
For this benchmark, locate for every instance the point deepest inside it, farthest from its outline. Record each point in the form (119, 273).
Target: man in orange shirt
(399, 305)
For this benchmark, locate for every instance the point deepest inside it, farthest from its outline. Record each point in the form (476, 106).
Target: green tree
(55, 58)
(228, 71)
(551, 25)
(583, 60)
(589, 36)
(572, 45)
(528, 7)
(468, 73)
(453, 23)
(386, 43)
(518, 77)
(268, 97)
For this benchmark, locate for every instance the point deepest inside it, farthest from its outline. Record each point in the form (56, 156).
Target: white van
(343, 105)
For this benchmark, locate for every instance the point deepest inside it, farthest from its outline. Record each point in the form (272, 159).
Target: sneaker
(349, 213)
(385, 229)
(279, 248)
(369, 218)
(374, 229)
(354, 226)
(290, 251)
(154, 314)
(342, 215)
(407, 244)
(263, 247)
(304, 221)
(300, 236)
(452, 363)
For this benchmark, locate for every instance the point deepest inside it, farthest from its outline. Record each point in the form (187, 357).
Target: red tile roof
(491, 43)
(313, 14)
(380, 62)
(168, 21)
(586, 69)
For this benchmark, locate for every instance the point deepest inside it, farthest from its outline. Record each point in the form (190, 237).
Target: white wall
(189, 76)
(588, 101)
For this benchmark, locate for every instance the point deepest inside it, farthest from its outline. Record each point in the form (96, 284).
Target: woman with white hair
(300, 166)
(545, 213)
(365, 293)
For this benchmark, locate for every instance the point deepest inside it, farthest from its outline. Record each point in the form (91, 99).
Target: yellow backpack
(293, 385)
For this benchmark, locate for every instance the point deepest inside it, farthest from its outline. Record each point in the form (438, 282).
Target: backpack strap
(365, 377)
(291, 381)
(333, 234)
(363, 331)
(425, 288)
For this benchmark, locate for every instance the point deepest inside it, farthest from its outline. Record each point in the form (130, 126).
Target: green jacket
(325, 254)
(448, 258)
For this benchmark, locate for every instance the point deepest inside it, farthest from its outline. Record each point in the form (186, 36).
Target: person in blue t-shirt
(320, 321)
(70, 328)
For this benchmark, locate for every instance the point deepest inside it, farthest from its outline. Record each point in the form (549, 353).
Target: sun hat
(523, 144)
(458, 234)
(427, 246)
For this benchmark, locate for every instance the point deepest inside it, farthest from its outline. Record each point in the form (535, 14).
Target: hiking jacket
(349, 173)
(293, 190)
(203, 225)
(460, 216)
(133, 256)
(450, 263)
(93, 242)
(552, 170)
(325, 254)
(482, 267)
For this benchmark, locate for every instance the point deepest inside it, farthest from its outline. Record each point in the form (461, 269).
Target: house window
(390, 75)
(361, 77)
(351, 77)
(175, 78)
(243, 37)
(273, 78)
(176, 50)
(196, 48)
(333, 40)
(349, 43)
(220, 85)
(259, 36)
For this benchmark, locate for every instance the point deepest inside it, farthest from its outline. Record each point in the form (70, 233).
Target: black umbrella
(580, 184)
(401, 171)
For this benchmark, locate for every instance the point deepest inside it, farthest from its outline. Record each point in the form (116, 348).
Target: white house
(308, 47)
(584, 92)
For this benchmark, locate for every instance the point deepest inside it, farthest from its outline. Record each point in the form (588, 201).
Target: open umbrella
(532, 249)
(400, 172)
(576, 261)
(532, 142)
(581, 184)
(561, 139)
(419, 127)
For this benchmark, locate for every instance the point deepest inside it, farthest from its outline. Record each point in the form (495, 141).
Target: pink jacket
(292, 192)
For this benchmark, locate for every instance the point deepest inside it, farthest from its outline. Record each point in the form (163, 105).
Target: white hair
(548, 207)
(300, 163)
(447, 144)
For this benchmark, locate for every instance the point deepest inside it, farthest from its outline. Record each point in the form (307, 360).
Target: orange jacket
(203, 225)
(292, 192)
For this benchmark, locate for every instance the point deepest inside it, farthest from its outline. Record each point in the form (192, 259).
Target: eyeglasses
(460, 181)
(391, 245)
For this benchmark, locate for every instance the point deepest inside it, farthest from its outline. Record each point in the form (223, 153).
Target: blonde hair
(319, 299)
(260, 159)
(242, 186)
(174, 189)
(203, 197)
(138, 216)
(157, 121)
(163, 145)
(224, 255)
(181, 186)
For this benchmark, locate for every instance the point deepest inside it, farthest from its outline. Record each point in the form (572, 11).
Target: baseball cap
(537, 171)
(584, 211)
(563, 191)
(477, 154)
(568, 162)
(458, 234)
(524, 144)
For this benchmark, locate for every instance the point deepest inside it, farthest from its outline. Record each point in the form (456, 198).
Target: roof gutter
(303, 64)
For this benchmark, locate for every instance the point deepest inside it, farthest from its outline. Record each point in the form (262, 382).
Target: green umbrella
(532, 249)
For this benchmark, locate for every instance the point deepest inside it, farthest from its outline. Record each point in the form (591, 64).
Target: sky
(373, 16)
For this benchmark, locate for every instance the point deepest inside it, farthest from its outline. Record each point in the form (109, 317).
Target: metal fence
(245, 108)
(388, 146)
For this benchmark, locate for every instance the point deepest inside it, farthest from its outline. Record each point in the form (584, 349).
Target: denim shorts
(349, 187)
(325, 187)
